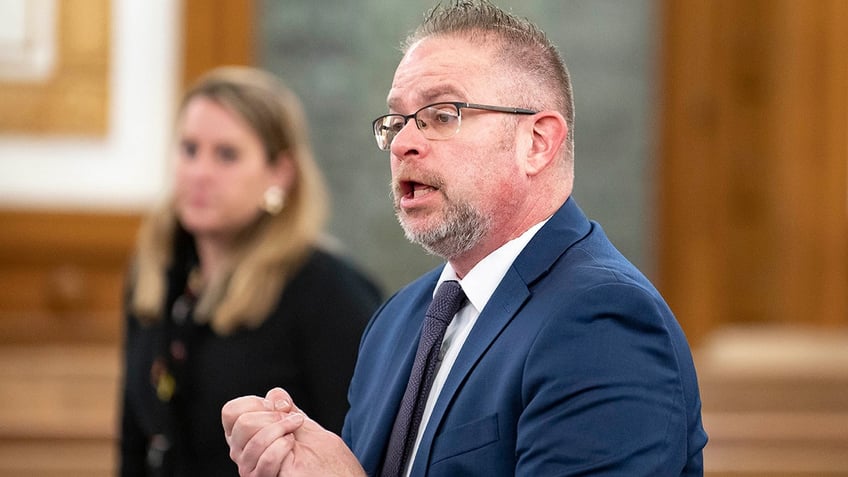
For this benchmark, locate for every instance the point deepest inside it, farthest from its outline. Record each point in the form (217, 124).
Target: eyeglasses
(435, 121)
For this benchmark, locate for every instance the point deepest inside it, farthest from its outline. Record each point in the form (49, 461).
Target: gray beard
(461, 230)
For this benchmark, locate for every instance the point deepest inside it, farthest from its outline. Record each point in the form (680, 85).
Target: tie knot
(448, 300)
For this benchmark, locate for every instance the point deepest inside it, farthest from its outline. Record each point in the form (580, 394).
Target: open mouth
(415, 190)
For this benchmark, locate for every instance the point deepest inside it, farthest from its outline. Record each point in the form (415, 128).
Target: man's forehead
(437, 69)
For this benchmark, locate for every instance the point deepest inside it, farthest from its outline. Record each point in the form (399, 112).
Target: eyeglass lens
(436, 121)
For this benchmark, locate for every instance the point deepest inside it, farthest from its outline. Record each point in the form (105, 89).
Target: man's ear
(548, 132)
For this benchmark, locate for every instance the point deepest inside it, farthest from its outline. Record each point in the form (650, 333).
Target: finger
(248, 424)
(271, 461)
(261, 447)
(231, 411)
(277, 399)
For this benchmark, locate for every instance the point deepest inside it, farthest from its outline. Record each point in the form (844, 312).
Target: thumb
(277, 399)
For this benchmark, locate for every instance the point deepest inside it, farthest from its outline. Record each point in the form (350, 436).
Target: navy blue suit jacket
(576, 366)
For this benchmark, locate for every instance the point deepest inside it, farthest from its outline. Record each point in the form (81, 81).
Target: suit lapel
(564, 229)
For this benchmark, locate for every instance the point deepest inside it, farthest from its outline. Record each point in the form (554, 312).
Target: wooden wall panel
(62, 275)
(775, 401)
(215, 33)
(59, 416)
(753, 223)
(811, 145)
(74, 99)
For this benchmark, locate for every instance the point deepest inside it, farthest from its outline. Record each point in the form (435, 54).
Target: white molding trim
(27, 39)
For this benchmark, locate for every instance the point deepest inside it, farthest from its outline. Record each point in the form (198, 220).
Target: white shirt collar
(481, 281)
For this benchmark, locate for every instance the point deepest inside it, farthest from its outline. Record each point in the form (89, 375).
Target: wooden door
(753, 205)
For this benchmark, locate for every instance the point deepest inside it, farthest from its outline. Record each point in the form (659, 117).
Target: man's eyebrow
(441, 93)
(429, 97)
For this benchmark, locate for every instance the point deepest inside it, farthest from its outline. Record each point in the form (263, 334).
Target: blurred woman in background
(232, 274)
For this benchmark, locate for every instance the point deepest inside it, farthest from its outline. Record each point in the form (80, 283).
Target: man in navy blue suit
(564, 359)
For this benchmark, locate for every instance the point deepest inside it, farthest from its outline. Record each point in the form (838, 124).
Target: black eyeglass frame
(459, 105)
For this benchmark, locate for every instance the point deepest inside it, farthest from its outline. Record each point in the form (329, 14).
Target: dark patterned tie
(448, 300)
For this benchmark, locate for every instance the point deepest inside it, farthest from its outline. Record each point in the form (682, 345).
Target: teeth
(421, 189)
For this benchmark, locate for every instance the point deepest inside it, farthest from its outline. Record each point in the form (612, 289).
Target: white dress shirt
(479, 285)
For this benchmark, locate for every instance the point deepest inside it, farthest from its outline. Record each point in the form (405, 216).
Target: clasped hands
(271, 437)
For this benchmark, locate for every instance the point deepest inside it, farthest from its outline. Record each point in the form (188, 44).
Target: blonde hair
(268, 252)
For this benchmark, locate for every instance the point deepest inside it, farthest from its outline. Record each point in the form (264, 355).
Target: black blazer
(307, 345)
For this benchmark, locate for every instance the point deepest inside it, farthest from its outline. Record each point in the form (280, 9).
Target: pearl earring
(273, 200)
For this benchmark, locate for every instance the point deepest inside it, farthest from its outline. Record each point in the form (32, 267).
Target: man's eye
(444, 117)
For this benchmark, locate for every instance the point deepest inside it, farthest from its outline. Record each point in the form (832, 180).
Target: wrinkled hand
(271, 437)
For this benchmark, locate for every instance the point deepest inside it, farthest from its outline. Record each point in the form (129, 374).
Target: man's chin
(415, 232)
(413, 220)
